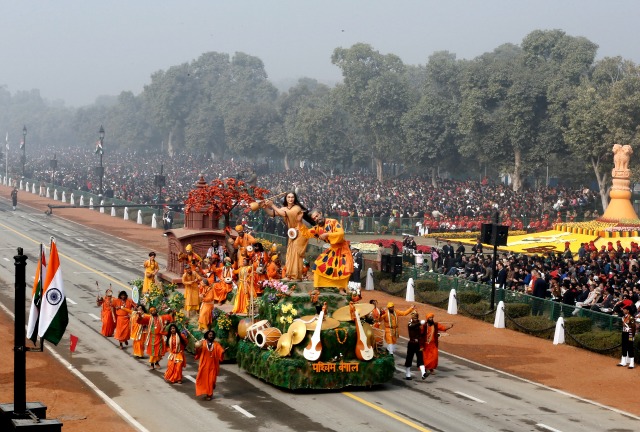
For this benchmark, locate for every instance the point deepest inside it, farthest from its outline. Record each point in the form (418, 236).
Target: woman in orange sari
(175, 344)
(123, 306)
(107, 315)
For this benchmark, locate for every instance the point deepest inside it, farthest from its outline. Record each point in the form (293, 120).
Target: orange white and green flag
(36, 297)
(54, 316)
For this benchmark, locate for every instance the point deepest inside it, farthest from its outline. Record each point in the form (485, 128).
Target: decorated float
(293, 336)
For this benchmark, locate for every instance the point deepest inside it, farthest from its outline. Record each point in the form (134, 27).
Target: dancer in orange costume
(107, 315)
(389, 317)
(151, 269)
(175, 344)
(431, 334)
(123, 307)
(210, 353)
(154, 342)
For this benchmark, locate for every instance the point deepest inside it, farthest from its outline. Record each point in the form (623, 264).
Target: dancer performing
(210, 353)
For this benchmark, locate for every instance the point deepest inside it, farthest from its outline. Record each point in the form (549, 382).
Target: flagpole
(6, 162)
(19, 352)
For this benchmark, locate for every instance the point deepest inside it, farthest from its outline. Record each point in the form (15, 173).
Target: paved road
(463, 396)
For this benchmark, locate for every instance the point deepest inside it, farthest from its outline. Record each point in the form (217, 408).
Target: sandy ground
(563, 367)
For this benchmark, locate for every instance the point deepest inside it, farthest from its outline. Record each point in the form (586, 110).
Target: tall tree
(431, 127)
(375, 93)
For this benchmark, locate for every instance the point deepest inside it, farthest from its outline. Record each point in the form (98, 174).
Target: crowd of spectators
(601, 280)
(452, 205)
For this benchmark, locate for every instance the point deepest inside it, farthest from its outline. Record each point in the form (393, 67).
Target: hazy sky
(78, 50)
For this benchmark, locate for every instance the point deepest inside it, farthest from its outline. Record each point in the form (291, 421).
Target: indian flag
(54, 316)
(36, 297)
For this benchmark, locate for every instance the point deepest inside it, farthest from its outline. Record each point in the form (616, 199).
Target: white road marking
(71, 301)
(549, 428)
(79, 239)
(190, 378)
(97, 318)
(243, 411)
(470, 397)
(117, 408)
(5, 258)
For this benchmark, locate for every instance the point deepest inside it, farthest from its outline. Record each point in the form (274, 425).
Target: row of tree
(517, 110)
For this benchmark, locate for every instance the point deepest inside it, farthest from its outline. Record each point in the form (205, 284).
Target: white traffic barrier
(410, 296)
(558, 337)
(499, 321)
(452, 309)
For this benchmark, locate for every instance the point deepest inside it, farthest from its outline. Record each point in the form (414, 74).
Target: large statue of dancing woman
(335, 264)
(292, 212)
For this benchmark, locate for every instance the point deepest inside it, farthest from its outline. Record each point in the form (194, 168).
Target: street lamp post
(100, 169)
(23, 158)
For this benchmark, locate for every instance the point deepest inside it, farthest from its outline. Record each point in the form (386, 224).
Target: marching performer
(175, 344)
(628, 334)
(432, 331)
(210, 354)
(389, 317)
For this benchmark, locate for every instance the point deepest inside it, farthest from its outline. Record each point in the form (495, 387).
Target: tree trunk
(602, 182)
(379, 173)
(286, 162)
(434, 176)
(517, 164)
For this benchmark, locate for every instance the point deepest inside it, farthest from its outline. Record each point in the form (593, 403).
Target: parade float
(293, 345)
(293, 336)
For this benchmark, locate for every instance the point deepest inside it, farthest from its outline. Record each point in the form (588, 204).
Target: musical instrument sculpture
(314, 349)
(364, 351)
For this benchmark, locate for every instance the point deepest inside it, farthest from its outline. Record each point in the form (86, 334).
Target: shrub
(426, 285)
(577, 325)
(468, 297)
(478, 311)
(538, 326)
(436, 298)
(597, 340)
(517, 310)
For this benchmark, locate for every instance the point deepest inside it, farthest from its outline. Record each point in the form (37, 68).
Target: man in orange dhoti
(389, 317)
(210, 353)
(175, 344)
(431, 334)
(123, 306)
(207, 300)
